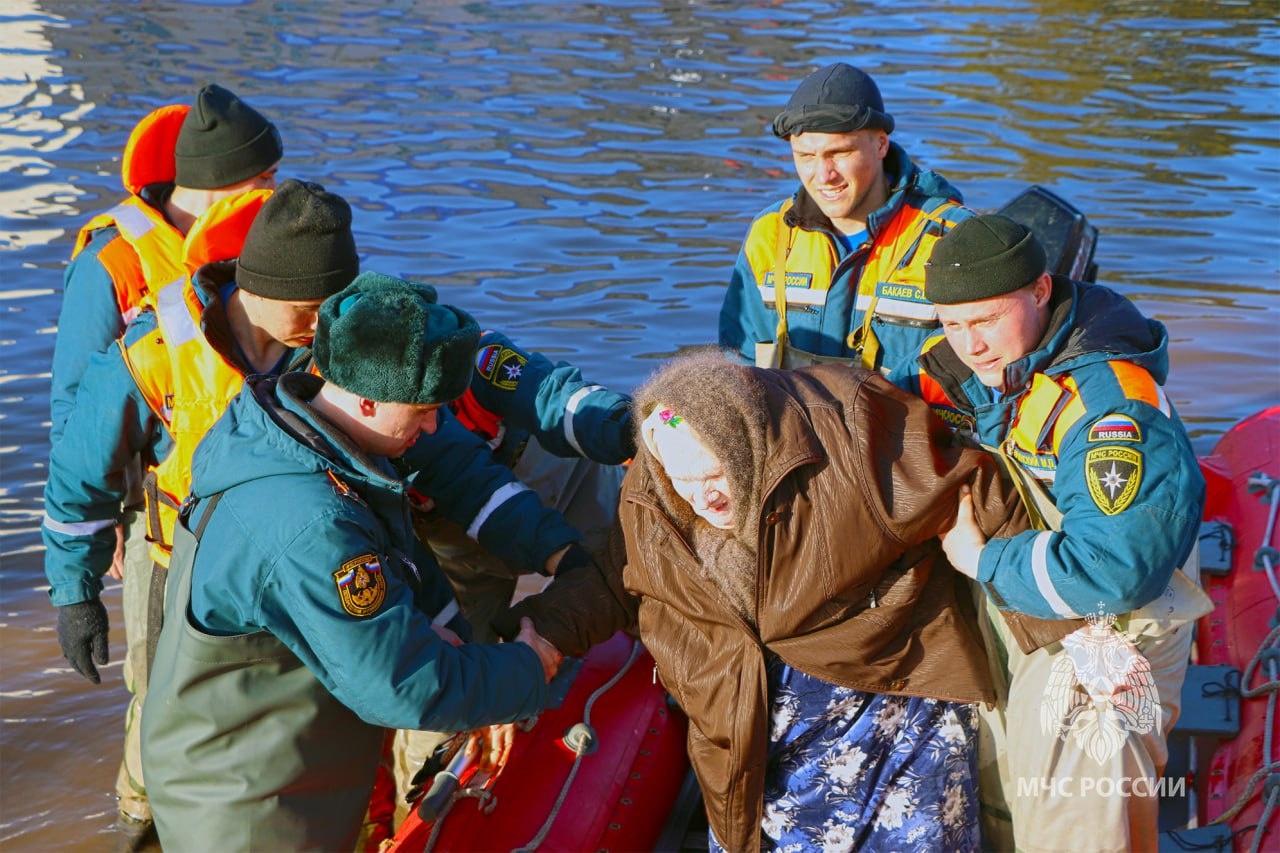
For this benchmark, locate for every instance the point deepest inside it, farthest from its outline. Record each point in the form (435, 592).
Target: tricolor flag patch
(1115, 428)
(487, 360)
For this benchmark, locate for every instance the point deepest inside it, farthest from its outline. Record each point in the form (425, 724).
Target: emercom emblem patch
(502, 366)
(1114, 474)
(361, 585)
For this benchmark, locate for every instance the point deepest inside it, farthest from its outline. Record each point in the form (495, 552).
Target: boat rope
(436, 827)
(581, 751)
(1268, 652)
(486, 805)
(1270, 488)
(1272, 799)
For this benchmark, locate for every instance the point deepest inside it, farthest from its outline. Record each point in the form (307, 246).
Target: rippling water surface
(580, 176)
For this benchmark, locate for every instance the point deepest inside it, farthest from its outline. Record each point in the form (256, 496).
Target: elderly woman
(779, 554)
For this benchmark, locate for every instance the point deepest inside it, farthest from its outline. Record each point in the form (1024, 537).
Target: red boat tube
(601, 772)
(1242, 783)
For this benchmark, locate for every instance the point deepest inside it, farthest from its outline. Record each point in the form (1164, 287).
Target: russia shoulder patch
(361, 585)
(1114, 474)
(1115, 428)
(487, 360)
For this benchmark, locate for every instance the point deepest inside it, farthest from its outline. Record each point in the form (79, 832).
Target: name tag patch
(794, 279)
(894, 290)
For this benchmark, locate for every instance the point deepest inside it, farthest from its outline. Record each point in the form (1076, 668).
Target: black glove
(558, 687)
(82, 633)
(579, 608)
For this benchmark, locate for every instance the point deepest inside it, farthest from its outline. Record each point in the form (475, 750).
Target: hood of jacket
(208, 282)
(270, 430)
(1101, 325)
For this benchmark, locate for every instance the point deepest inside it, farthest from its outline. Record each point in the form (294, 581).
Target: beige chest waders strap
(780, 247)
(773, 354)
(863, 339)
(1044, 514)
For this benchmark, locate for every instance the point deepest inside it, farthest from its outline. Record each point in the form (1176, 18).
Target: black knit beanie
(299, 246)
(837, 98)
(982, 257)
(388, 340)
(224, 141)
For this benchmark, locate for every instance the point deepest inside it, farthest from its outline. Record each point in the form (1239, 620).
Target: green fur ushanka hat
(388, 340)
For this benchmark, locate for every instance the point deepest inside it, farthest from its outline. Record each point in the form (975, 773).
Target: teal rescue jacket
(309, 545)
(1086, 414)
(516, 393)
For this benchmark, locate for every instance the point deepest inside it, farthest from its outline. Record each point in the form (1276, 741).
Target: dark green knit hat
(388, 340)
(224, 141)
(299, 246)
(982, 257)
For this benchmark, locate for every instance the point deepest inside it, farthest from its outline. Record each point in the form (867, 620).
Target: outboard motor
(1068, 238)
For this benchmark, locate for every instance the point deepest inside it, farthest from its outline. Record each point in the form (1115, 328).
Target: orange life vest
(1046, 411)
(185, 381)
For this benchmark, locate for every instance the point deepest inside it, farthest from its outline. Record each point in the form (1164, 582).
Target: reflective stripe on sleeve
(570, 408)
(450, 610)
(76, 528)
(1040, 569)
(497, 499)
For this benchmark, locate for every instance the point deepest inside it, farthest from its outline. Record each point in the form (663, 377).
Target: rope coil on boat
(582, 748)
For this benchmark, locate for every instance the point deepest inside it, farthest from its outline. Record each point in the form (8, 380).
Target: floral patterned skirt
(850, 770)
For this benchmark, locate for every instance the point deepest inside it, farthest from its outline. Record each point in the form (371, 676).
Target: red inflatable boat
(1240, 786)
(601, 772)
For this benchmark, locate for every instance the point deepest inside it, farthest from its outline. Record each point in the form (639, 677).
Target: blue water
(580, 176)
